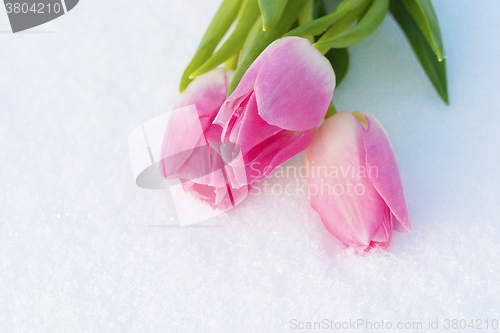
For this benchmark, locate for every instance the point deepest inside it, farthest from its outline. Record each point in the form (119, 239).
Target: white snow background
(78, 248)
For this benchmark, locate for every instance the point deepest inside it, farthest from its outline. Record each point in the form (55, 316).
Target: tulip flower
(270, 115)
(192, 150)
(354, 182)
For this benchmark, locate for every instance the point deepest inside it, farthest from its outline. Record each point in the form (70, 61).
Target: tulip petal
(383, 236)
(192, 118)
(339, 189)
(245, 132)
(179, 142)
(387, 180)
(244, 88)
(236, 171)
(204, 167)
(217, 197)
(382, 244)
(294, 87)
(266, 156)
(226, 116)
(192, 149)
(207, 92)
(239, 194)
(384, 232)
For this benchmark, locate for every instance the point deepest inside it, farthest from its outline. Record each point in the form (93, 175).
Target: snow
(83, 249)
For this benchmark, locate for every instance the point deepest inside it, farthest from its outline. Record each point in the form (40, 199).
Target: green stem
(249, 12)
(331, 111)
(232, 62)
(306, 16)
(218, 27)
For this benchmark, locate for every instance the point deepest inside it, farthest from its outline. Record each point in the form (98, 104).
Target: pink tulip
(354, 181)
(192, 149)
(270, 115)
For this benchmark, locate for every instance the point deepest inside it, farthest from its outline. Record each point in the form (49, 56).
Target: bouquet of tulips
(272, 99)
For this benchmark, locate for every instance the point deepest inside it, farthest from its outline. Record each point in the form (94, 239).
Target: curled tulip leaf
(365, 27)
(435, 69)
(258, 39)
(246, 18)
(320, 25)
(426, 19)
(216, 30)
(271, 12)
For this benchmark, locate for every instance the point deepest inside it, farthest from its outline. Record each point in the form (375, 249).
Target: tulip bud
(192, 150)
(270, 115)
(354, 181)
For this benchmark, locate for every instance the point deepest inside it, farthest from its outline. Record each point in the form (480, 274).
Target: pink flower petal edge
(379, 153)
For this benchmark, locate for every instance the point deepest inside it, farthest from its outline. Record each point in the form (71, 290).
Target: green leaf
(321, 24)
(246, 18)
(258, 39)
(426, 19)
(339, 58)
(216, 30)
(271, 12)
(319, 9)
(256, 30)
(365, 27)
(435, 69)
(342, 24)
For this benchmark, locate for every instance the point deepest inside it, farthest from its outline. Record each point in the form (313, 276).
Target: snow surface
(83, 249)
